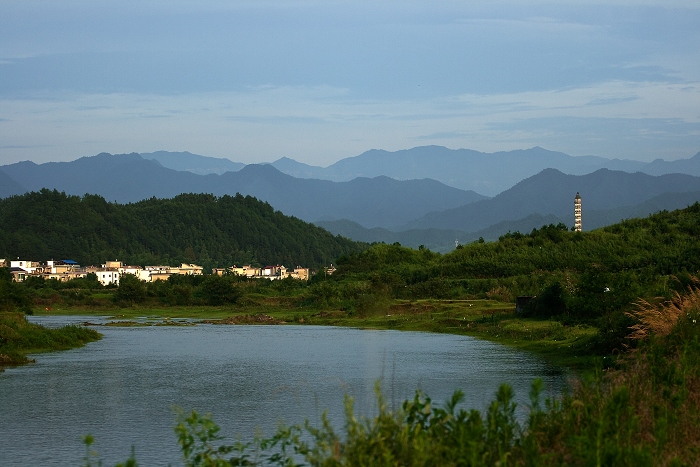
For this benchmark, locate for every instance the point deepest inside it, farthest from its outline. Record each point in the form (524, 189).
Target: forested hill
(198, 228)
(593, 276)
(664, 244)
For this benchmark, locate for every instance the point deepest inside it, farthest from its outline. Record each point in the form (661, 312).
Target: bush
(219, 290)
(130, 290)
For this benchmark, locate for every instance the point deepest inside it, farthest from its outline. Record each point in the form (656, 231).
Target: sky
(321, 80)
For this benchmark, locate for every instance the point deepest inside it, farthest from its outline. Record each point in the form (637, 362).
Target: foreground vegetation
(644, 413)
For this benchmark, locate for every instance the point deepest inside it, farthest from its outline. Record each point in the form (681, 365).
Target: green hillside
(199, 228)
(661, 244)
(593, 277)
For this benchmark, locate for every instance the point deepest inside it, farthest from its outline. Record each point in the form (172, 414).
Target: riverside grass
(18, 337)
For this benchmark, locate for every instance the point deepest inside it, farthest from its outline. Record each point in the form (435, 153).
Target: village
(110, 272)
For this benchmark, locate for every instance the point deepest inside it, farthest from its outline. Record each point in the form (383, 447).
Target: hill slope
(203, 229)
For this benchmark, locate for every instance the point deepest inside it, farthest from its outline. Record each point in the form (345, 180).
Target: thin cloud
(275, 119)
(19, 146)
(443, 135)
(612, 100)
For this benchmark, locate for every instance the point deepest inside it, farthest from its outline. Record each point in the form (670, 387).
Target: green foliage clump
(19, 337)
(219, 290)
(551, 302)
(12, 295)
(131, 289)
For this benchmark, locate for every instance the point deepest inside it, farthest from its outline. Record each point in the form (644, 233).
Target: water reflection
(122, 388)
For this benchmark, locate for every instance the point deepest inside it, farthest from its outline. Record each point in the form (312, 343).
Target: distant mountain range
(375, 202)
(366, 202)
(485, 173)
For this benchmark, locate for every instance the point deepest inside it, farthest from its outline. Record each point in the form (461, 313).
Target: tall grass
(660, 318)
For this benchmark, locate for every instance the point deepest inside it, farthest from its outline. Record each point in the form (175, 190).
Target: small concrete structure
(521, 303)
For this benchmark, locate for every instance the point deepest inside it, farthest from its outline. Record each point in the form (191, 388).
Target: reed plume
(660, 318)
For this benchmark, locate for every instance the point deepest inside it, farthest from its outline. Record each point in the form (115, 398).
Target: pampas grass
(660, 318)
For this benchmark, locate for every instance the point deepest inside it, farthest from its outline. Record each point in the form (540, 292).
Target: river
(122, 389)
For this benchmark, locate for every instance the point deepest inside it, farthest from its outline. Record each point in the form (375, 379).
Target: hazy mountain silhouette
(372, 202)
(411, 212)
(552, 192)
(684, 166)
(665, 201)
(442, 240)
(200, 165)
(9, 187)
(123, 177)
(485, 173)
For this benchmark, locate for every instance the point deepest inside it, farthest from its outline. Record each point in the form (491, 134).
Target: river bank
(18, 338)
(122, 388)
(563, 345)
(644, 412)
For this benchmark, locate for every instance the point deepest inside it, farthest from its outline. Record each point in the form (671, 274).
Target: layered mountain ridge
(409, 196)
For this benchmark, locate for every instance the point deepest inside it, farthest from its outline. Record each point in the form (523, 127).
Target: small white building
(107, 276)
(29, 266)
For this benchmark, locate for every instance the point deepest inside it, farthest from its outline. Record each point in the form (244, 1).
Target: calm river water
(122, 388)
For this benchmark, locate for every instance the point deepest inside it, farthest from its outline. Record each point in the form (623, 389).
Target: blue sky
(318, 81)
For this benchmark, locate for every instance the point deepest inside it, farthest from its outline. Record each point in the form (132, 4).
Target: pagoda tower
(577, 213)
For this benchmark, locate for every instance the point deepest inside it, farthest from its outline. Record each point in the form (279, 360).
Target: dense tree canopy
(198, 228)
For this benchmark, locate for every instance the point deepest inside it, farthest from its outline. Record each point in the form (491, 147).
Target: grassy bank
(18, 337)
(486, 319)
